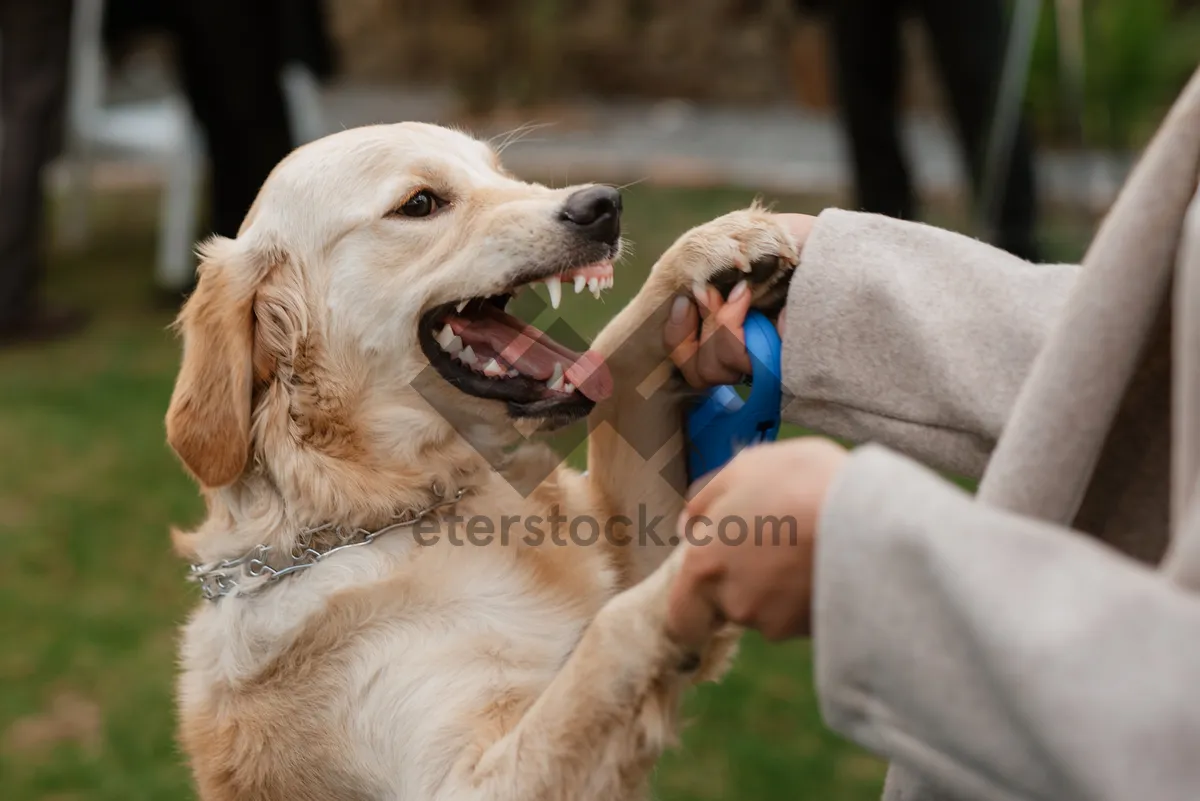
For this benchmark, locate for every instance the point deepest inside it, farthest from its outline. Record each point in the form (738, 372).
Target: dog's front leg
(636, 455)
(597, 729)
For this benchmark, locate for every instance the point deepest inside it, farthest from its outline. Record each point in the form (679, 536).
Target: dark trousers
(968, 40)
(230, 60)
(33, 81)
(230, 57)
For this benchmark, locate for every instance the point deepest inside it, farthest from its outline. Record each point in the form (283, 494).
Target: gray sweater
(1041, 640)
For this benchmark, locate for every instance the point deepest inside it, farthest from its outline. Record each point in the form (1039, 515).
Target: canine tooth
(462, 304)
(555, 386)
(580, 283)
(554, 285)
(445, 336)
(454, 347)
(493, 368)
(467, 357)
(557, 376)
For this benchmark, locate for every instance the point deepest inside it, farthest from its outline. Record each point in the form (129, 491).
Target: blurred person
(34, 43)
(1042, 639)
(968, 43)
(231, 54)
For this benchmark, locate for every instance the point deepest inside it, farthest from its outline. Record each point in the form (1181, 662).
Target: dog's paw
(635, 619)
(641, 612)
(750, 244)
(706, 660)
(653, 593)
(717, 657)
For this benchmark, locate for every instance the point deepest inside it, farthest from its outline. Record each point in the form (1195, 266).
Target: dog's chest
(414, 659)
(449, 681)
(445, 596)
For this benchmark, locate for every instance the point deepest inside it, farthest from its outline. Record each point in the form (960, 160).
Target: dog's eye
(422, 204)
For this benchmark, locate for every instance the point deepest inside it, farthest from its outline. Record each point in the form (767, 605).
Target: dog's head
(368, 257)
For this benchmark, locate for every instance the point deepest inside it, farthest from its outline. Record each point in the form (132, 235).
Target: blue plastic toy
(722, 423)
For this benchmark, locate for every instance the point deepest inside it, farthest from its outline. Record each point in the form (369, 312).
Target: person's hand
(751, 532)
(708, 360)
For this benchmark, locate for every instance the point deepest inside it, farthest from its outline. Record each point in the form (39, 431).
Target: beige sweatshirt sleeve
(912, 336)
(1000, 657)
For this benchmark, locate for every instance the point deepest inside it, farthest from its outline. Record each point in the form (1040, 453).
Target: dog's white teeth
(607, 282)
(556, 378)
(580, 283)
(554, 286)
(594, 287)
(493, 369)
(462, 304)
(468, 357)
(513, 374)
(448, 341)
(568, 388)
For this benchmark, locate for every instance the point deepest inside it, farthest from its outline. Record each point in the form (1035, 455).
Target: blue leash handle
(721, 423)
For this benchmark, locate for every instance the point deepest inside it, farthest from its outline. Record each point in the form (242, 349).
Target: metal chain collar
(218, 579)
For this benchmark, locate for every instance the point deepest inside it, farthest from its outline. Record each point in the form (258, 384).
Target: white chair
(303, 95)
(161, 131)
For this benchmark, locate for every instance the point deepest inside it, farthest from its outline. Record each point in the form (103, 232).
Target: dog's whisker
(517, 134)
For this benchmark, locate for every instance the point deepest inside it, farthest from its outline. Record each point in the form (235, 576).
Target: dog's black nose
(595, 212)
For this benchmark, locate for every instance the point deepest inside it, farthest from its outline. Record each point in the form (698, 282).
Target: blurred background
(132, 128)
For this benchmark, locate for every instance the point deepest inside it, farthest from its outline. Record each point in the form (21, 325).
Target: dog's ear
(208, 421)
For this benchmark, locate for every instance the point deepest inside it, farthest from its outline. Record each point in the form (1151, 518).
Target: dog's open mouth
(484, 351)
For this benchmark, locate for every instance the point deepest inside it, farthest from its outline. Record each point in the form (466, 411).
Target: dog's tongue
(590, 374)
(532, 353)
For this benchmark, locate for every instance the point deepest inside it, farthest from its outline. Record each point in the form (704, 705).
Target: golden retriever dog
(351, 389)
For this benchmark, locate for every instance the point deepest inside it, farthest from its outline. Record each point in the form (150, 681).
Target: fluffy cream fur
(398, 670)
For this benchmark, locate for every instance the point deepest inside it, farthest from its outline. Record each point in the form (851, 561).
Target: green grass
(91, 595)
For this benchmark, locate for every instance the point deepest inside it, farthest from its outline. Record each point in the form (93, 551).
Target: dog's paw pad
(748, 245)
(763, 273)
